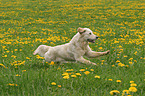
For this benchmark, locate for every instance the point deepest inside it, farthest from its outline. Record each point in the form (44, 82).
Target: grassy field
(26, 24)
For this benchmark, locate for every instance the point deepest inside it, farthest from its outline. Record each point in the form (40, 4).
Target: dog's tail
(41, 50)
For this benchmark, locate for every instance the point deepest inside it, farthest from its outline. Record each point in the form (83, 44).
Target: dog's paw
(107, 52)
(94, 63)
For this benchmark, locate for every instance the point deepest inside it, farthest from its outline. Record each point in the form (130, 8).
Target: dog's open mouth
(90, 40)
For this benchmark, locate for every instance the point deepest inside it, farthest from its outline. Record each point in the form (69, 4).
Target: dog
(72, 51)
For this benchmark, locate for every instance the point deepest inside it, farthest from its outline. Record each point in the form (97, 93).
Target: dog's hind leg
(82, 60)
(41, 50)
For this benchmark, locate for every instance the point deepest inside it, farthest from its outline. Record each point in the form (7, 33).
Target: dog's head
(87, 34)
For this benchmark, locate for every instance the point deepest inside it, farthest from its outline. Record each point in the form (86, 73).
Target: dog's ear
(81, 30)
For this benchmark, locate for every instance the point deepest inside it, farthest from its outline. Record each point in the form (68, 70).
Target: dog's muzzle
(92, 40)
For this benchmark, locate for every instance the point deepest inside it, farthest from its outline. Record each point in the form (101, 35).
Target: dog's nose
(97, 37)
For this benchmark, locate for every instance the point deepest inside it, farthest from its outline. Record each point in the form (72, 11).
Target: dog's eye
(84, 30)
(90, 33)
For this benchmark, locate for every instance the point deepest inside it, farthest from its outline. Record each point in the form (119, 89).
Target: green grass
(26, 24)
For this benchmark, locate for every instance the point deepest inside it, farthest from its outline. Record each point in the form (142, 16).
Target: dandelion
(23, 70)
(118, 80)
(100, 48)
(125, 56)
(52, 63)
(2, 65)
(135, 52)
(110, 79)
(27, 58)
(82, 69)
(18, 75)
(119, 64)
(73, 76)
(53, 83)
(69, 70)
(5, 56)
(87, 72)
(58, 68)
(65, 74)
(125, 92)
(10, 84)
(59, 86)
(97, 76)
(131, 81)
(113, 65)
(122, 65)
(39, 57)
(113, 92)
(131, 59)
(132, 89)
(66, 77)
(92, 70)
(13, 56)
(130, 63)
(117, 61)
(127, 65)
(78, 74)
(133, 85)
(15, 49)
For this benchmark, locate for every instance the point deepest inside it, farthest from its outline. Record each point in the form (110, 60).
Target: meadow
(26, 24)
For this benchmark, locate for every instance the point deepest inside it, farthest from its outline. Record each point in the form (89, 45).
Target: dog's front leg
(93, 54)
(82, 60)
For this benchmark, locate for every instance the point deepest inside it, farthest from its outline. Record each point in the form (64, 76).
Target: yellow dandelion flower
(118, 80)
(110, 79)
(130, 63)
(53, 83)
(119, 64)
(5, 56)
(23, 70)
(58, 68)
(122, 65)
(114, 92)
(73, 76)
(87, 72)
(130, 58)
(125, 56)
(131, 81)
(97, 76)
(100, 48)
(135, 52)
(66, 77)
(18, 75)
(133, 85)
(15, 49)
(91, 69)
(65, 74)
(117, 61)
(12, 84)
(2, 65)
(125, 92)
(69, 70)
(27, 58)
(113, 65)
(52, 63)
(82, 69)
(78, 74)
(132, 89)
(127, 65)
(59, 86)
